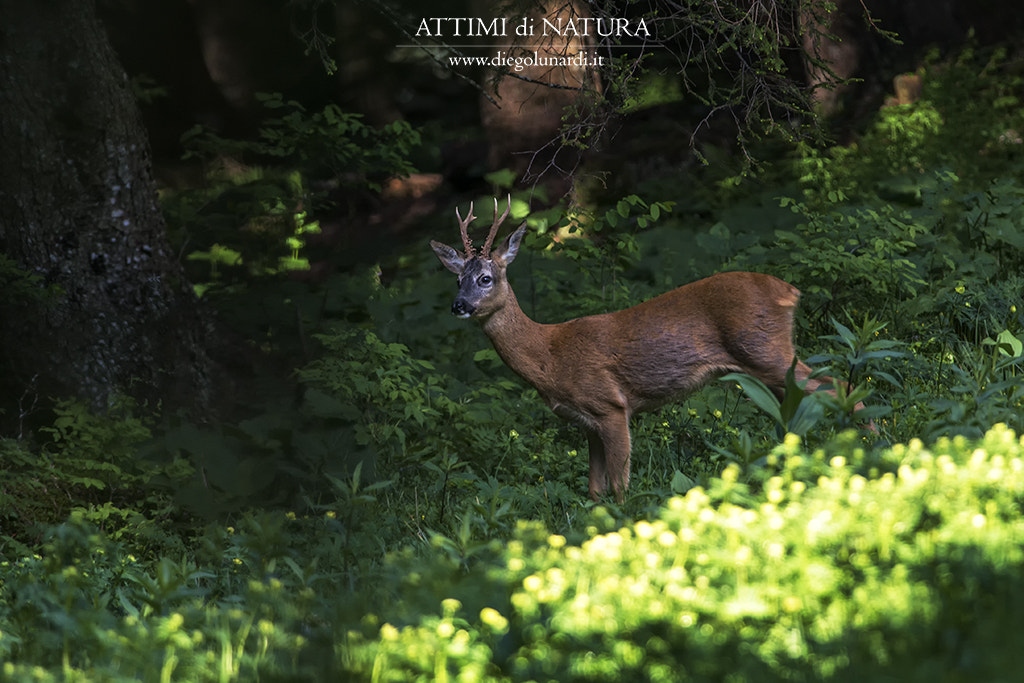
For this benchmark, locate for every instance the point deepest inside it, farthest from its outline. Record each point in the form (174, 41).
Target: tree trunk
(524, 118)
(78, 209)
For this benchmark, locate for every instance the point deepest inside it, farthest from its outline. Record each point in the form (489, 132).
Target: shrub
(910, 574)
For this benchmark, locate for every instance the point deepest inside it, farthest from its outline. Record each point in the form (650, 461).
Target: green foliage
(995, 218)
(18, 286)
(256, 209)
(986, 387)
(859, 372)
(397, 405)
(967, 123)
(845, 258)
(329, 140)
(87, 465)
(842, 564)
(603, 245)
(856, 576)
(797, 413)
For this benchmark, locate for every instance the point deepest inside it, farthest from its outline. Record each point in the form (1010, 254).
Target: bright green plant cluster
(851, 574)
(842, 563)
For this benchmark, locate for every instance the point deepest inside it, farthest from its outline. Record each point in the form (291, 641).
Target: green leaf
(1007, 343)
(681, 483)
(486, 355)
(503, 178)
(760, 394)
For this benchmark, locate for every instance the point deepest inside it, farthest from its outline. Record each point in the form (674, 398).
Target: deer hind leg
(775, 379)
(772, 371)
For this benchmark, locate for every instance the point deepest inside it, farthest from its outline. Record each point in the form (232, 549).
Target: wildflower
(493, 618)
(644, 530)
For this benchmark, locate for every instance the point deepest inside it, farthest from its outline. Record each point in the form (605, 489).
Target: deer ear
(507, 251)
(450, 259)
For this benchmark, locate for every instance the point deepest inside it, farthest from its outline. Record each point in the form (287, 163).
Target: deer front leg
(598, 466)
(609, 456)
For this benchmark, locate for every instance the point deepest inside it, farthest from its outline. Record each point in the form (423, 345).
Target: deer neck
(523, 344)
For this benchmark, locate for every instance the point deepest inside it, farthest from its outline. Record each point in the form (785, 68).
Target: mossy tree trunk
(78, 209)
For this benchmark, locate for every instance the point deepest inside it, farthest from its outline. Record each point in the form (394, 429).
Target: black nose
(459, 307)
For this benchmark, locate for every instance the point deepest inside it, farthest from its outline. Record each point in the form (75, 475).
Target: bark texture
(78, 209)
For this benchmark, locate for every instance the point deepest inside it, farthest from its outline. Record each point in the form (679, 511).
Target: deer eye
(484, 280)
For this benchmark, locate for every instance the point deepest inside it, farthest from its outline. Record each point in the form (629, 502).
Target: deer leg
(613, 433)
(598, 465)
(773, 373)
(802, 371)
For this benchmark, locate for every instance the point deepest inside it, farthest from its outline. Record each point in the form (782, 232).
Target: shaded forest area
(206, 63)
(242, 436)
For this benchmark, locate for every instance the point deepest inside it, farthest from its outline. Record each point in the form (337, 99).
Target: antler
(486, 251)
(463, 226)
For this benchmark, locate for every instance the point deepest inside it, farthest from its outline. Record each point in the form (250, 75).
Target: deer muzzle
(462, 308)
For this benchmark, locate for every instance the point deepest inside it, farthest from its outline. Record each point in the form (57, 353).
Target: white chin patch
(463, 315)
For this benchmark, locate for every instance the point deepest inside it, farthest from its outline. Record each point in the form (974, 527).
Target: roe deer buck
(599, 370)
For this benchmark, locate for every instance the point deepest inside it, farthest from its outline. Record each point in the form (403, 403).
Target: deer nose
(461, 309)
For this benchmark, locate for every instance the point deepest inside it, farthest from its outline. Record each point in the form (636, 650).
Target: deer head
(483, 287)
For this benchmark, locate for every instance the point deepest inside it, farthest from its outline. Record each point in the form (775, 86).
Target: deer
(600, 370)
